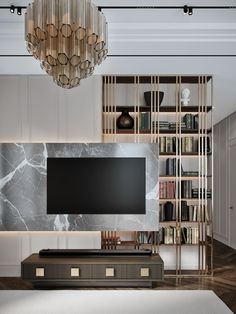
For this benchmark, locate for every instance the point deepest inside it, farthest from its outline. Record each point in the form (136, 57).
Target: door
(232, 195)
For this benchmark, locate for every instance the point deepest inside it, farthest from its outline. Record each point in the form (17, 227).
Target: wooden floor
(223, 283)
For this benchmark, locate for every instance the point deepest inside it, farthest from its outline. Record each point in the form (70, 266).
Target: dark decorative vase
(168, 211)
(125, 121)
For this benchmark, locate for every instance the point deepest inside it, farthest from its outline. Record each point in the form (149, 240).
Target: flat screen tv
(96, 186)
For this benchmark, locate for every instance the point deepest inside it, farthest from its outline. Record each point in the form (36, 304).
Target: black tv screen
(96, 186)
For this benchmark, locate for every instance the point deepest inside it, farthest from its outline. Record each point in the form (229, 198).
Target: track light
(12, 9)
(190, 11)
(19, 11)
(185, 9)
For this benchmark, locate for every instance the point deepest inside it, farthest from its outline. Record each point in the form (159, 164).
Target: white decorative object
(185, 93)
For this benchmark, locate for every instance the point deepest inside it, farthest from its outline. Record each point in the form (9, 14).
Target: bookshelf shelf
(184, 134)
(161, 132)
(183, 177)
(183, 155)
(162, 109)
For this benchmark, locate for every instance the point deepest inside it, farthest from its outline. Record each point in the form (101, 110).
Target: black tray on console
(95, 253)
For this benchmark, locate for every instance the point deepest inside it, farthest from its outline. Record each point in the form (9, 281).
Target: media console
(62, 268)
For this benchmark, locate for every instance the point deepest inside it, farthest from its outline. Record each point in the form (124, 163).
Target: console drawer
(144, 272)
(57, 271)
(108, 271)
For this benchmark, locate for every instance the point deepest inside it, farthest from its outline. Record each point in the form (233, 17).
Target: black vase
(168, 211)
(125, 121)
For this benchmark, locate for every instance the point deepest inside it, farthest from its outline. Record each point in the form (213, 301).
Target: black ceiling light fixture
(12, 9)
(19, 11)
(190, 11)
(185, 9)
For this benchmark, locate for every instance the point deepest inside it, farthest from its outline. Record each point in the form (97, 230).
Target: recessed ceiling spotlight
(12, 9)
(19, 11)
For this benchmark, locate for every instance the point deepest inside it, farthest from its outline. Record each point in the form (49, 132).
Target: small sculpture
(185, 93)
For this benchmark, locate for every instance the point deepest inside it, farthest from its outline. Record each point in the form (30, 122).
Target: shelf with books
(182, 127)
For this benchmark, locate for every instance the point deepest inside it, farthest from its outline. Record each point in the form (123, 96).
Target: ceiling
(149, 41)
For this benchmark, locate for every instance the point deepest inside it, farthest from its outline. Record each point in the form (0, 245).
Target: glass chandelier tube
(68, 37)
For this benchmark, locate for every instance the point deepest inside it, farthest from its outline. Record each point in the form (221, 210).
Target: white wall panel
(232, 125)
(10, 247)
(223, 223)
(10, 109)
(43, 99)
(16, 246)
(34, 109)
(83, 111)
(224, 134)
(216, 208)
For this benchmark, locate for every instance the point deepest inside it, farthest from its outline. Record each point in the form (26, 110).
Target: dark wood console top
(36, 259)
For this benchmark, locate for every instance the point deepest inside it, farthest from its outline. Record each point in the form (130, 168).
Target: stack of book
(143, 237)
(144, 120)
(162, 214)
(187, 144)
(186, 189)
(174, 125)
(169, 235)
(147, 237)
(191, 173)
(167, 189)
(173, 165)
(189, 235)
(163, 125)
(203, 193)
(184, 211)
(191, 121)
(167, 144)
(204, 144)
(197, 213)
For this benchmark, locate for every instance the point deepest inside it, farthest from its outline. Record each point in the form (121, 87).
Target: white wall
(224, 134)
(16, 246)
(34, 109)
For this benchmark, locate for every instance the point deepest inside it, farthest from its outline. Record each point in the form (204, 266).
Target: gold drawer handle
(144, 272)
(39, 272)
(110, 272)
(74, 272)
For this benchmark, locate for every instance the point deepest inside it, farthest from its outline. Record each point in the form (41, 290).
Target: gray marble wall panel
(23, 187)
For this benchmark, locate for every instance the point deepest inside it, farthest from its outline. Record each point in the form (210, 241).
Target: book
(189, 121)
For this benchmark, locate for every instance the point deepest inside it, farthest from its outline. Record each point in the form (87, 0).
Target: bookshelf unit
(185, 139)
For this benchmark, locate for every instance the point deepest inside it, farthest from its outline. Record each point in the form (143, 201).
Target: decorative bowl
(147, 97)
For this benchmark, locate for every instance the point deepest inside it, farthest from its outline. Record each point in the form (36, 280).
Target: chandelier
(68, 37)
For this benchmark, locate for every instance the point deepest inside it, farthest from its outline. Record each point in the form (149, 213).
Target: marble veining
(23, 171)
